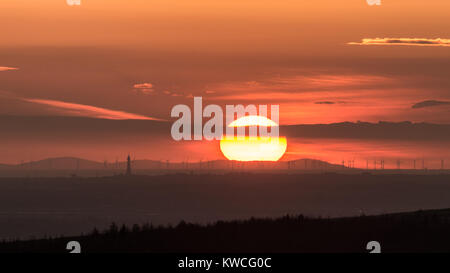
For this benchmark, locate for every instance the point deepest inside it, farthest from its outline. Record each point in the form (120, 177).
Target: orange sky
(138, 58)
(188, 47)
(234, 25)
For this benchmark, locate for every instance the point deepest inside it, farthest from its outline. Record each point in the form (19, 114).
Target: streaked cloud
(327, 98)
(318, 88)
(7, 68)
(172, 94)
(144, 88)
(300, 83)
(325, 102)
(403, 41)
(430, 103)
(76, 109)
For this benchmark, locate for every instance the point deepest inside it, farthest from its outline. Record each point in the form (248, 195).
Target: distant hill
(73, 163)
(57, 163)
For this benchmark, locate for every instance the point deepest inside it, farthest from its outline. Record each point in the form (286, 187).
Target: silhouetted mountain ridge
(73, 163)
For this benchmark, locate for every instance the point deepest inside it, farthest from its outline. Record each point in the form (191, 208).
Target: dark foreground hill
(421, 231)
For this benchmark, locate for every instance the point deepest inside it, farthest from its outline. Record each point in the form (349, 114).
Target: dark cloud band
(429, 103)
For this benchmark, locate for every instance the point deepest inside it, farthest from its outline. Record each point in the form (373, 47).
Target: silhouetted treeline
(422, 231)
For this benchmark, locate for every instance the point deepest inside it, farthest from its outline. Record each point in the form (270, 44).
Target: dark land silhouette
(34, 207)
(421, 231)
(72, 166)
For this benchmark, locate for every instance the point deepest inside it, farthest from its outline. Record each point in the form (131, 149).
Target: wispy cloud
(144, 88)
(7, 68)
(174, 94)
(430, 103)
(325, 102)
(403, 41)
(317, 88)
(75, 109)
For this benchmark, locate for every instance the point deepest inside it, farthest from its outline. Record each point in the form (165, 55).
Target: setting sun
(253, 148)
(252, 121)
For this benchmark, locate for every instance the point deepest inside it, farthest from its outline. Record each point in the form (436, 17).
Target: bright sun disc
(253, 148)
(252, 121)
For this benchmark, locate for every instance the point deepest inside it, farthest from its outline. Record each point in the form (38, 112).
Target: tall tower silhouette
(128, 165)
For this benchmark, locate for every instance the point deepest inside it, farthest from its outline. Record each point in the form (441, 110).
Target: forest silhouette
(420, 231)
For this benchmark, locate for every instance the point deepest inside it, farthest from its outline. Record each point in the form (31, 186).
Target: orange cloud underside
(404, 42)
(6, 68)
(330, 98)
